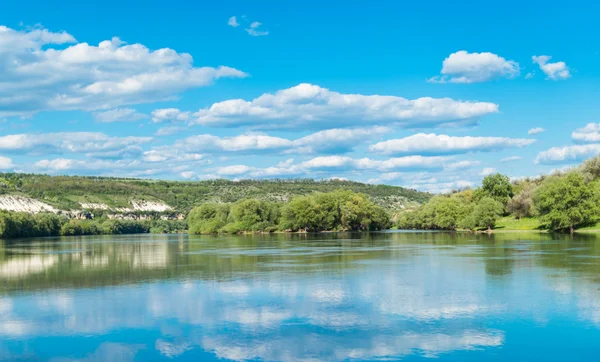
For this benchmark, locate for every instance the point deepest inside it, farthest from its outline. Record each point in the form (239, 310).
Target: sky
(428, 95)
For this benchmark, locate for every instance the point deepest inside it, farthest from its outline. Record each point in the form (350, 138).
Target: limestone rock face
(24, 204)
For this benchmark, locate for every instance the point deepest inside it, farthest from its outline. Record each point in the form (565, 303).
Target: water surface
(408, 296)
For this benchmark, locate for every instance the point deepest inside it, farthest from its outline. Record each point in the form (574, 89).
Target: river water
(408, 296)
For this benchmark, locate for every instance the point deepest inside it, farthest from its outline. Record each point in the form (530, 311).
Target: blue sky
(427, 95)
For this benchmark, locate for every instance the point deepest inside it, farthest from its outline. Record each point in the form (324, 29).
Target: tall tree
(496, 186)
(521, 205)
(485, 214)
(567, 202)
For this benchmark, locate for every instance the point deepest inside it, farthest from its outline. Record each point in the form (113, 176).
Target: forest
(563, 202)
(340, 210)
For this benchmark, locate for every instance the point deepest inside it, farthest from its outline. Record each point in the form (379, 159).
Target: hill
(33, 193)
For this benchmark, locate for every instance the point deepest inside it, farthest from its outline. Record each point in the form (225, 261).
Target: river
(408, 296)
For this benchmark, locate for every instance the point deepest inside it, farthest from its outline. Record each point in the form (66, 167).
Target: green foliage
(81, 227)
(496, 186)
(65, 192)
(442, 212)
(20, 224)
(208, 218)
(590, 169)
(567, 202)
(521, 205)
(484, 215)
(338, 210)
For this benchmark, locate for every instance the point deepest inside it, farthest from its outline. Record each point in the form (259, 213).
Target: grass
(510, 223)
(591, 228)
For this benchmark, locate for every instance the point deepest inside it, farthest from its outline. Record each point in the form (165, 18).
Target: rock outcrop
(24, 204)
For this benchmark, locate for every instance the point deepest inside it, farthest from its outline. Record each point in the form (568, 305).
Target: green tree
(567, 202)
(521, 205)
(208, 218)
(496, 186)
(485, 214)
(304, 213)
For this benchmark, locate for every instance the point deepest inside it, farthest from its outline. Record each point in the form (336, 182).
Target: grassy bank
(510, 223)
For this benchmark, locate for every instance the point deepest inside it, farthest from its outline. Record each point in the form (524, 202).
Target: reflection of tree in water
(113, 260)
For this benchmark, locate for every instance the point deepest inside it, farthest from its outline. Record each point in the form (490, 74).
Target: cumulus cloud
(119, 115)
(233, 22)
(170, 130)
(311, 106)
(535, 130)
(336, 140)
(5, 163)
(163, 154)
(461, 165)
(465, 67)
(253, 29)
(324, 142)
(40, 72)
(443, 144)
(553, 71)
(510, 159)
(568, 154)
(336, 164)
(436, 187)
(172, 115)
(64, 164)
(588, 134)
(92, 143)
(487, 171)
(248, 142)
(107, 167)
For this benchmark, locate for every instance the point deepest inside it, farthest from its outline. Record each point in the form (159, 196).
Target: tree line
(340, 210)
(21, 225)
(564, 201)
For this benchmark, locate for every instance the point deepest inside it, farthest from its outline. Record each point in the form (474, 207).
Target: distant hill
(121, 195)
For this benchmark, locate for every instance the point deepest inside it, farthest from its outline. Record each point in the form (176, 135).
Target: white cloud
(443, 187)
(169, 165)
(93, 143)
(510, 159)
(588, 134)
(247, 142)
(465, 67)
(233, 22)
(461, 165)
(535, 130)
(335, 163)
(167, 131)
(40, 73)
(163, 154)
(567, 154)
(234, 170)
(328, 142)
(119, 115)
(188, 175)
(554, 71)
(444, 144)
(311, 106)
(253, 29)
(487, 171)
(172, 115)
(336, 140)
(64, 164)
(5, 163)
(408, 162)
